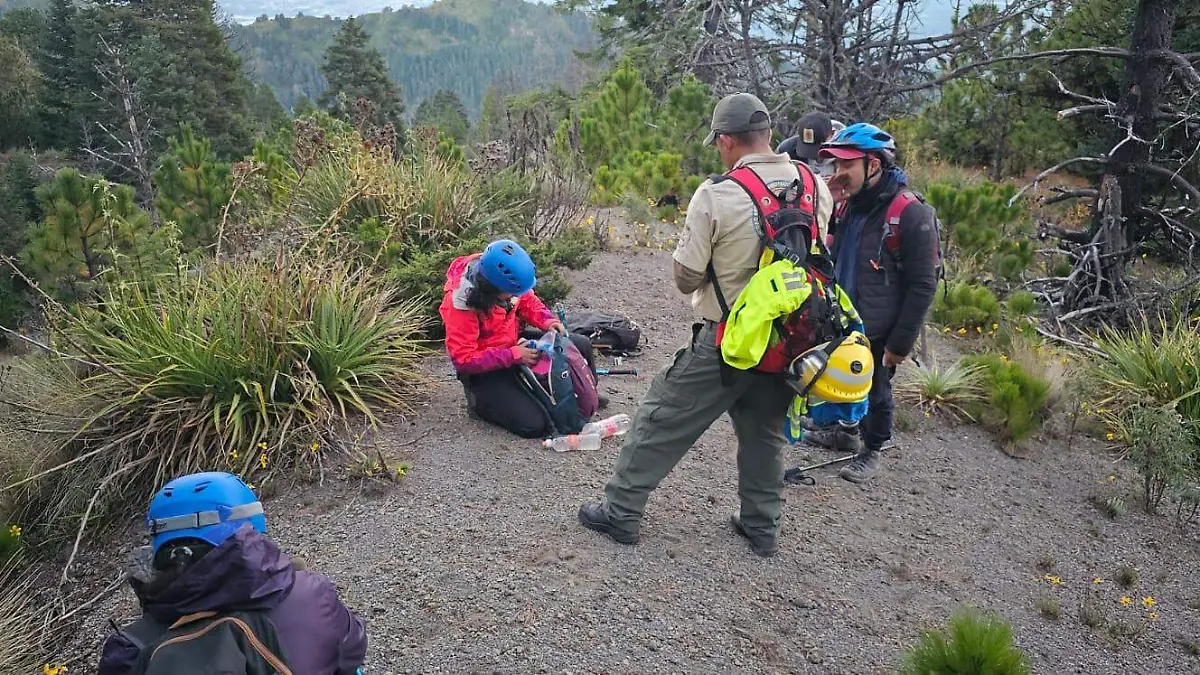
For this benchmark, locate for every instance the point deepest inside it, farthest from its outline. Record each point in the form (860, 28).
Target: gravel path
(476, 563)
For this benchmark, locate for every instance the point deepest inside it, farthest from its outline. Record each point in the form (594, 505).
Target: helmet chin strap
(867, 177)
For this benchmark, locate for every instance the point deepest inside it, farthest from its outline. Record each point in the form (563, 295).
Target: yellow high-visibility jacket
(774, 292)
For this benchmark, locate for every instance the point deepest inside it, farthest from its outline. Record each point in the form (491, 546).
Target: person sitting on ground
(209, 555)
(488, 296)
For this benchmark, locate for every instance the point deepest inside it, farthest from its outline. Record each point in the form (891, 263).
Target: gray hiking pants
(683, 401)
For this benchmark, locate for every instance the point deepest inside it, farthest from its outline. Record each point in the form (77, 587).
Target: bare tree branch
(1052, 170)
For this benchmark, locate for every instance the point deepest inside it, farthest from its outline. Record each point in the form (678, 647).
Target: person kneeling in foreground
(487, 297)
(226, 596)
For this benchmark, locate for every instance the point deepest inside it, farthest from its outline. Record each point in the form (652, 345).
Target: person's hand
(558, 327)
(527, 356)
(891, 360)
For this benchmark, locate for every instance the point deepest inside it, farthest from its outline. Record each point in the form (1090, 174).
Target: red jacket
(480, 342)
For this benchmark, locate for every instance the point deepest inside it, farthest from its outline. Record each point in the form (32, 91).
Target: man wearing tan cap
(718, 241)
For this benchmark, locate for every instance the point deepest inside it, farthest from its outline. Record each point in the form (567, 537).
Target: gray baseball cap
(738, 113)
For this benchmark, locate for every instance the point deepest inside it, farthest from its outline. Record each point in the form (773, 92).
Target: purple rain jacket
(320, 636)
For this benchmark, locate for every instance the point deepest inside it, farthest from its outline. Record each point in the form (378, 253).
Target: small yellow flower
(262, 445)
(1126, 601)
(1110, 436)
(54, 670)
(14, 531)
(1057, 581)
(233, 455)
(979, 330)
(262, 461)
(1153, 615)
(316, 446)
(995, 326)
(962, 331)
(401, 472)
(1148, 602)
(946, 329)
(1097, 580)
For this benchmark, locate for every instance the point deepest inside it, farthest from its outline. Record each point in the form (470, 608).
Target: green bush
(10, 541)
(1163, 449)
(974, 644)
(422, 277)
(1157, 362)
(979, 217)
(1013, 258)
(1020, 305)
(966, 307)
(247, 366)
(1015, 400)
(12, 307)
(572, 248)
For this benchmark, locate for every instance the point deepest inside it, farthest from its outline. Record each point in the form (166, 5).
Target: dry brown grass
(21, 623)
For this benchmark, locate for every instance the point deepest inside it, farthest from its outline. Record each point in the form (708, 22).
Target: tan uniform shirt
(718, 228)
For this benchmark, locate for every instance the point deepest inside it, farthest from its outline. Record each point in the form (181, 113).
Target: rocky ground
(475, 563)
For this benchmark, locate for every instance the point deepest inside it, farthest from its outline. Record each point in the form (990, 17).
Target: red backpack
(892, 232)
(786, 223)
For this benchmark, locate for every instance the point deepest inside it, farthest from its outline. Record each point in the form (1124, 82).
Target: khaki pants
(684, 399)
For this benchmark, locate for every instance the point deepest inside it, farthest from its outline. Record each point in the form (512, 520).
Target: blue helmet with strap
(858, 140)
(505, 265)
(209, 506)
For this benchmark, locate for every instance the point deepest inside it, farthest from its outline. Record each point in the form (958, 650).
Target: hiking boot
(593, 516)
(862, 468)
(834, 437)
(762, 546)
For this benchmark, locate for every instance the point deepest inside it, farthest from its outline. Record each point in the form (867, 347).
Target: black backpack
(616, 335)
(207, 642)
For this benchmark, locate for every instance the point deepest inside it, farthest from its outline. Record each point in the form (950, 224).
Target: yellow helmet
(841, 376)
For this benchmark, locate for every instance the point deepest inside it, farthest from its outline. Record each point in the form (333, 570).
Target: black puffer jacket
(893, 300)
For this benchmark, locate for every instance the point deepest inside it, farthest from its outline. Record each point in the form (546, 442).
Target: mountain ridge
(461, 45)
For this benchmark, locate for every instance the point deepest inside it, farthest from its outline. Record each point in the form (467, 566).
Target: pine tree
(91, 228)
(265, 112)
(19, 87)
(18, 203)
(188, 73)
(59, 67)
(353, 69)
(444, 111)
(492, 123)
(192, 188)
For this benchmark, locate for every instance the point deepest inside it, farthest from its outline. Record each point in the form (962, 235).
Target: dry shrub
(22, 625)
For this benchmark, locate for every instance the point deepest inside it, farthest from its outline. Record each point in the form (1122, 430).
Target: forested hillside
(460, 45)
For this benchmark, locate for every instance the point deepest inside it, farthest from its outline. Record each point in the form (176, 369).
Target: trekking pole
(799, 474)
(610, 371)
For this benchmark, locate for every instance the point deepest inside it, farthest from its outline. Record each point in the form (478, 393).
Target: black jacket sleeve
(918, 281)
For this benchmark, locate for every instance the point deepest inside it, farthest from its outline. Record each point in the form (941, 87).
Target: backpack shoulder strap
(231, 621)
(891, 230)
(756, 188)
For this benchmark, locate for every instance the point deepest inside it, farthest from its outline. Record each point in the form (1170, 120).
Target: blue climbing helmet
(857, 140)
(508, 267)
(208, 506)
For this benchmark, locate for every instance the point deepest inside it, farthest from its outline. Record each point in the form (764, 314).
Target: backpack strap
(891, 222)
(262, 650)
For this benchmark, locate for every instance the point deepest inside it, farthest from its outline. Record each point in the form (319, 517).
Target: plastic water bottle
(617, 425)
(573, 442)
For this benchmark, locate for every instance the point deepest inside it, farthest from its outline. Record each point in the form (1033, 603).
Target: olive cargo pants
(684, 399)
